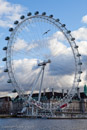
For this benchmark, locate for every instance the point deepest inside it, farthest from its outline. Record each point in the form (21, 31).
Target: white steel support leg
(27, 111)
(32, 110)
(36, 111)
(41, 84)
(34, 86)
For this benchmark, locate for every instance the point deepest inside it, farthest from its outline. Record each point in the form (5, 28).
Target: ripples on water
(42, 124)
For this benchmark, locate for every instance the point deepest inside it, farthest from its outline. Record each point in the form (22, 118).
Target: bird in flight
(46, 32)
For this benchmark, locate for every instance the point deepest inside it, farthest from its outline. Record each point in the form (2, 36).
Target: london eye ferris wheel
(41, 53)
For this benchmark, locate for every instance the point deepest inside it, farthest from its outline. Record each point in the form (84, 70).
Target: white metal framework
(31, 53)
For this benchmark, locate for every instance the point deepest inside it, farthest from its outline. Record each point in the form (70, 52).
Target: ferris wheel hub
(44, 63)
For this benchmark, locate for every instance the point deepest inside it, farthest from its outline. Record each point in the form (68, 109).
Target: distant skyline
(73, 13)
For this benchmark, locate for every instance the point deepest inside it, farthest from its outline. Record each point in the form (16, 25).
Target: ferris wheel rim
(64, 30)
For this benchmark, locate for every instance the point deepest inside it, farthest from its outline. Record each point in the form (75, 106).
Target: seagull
(46, 32)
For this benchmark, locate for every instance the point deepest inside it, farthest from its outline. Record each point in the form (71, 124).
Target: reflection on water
(42, 124)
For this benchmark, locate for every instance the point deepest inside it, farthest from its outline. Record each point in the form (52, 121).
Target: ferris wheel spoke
(30, 38)
(42, 43)
(26, 53)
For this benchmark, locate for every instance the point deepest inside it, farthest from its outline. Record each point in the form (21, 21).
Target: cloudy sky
(72, 13)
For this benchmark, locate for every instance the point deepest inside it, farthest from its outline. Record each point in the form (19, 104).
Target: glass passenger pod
(22, 17)
(80, 72)
(63, 25)
(78, 80)
(80, 63)
(5, 48)
(10, 29)
(44, 13)
(68, 31)
(9, 81)
(51, 16)
(7, 38)
(29, 14)
(76, 47)
(14, 91)
(57, 20)
(36, 13)
(78, 55)
(4, 59)
(5, 70)
(16, 22)
(72, 39)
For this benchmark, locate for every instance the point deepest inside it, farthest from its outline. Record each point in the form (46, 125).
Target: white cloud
(4, 23)
(19, 44)
(81, 39)
(26, 73)
(59, 36)
(31, 46)
(57, 47)
(80, 34)
(82, 47)
(84, 19)
(9, 12)
(25, 64)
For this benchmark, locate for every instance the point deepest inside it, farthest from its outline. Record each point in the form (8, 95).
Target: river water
(42, 124)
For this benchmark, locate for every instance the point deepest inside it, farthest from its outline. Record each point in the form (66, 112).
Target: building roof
(6, 98)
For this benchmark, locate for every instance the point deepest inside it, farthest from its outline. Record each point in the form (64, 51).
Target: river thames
(42, 124)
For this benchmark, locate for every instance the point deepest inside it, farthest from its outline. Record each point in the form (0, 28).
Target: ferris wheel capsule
(5, 70)
(9, 81)
(80, 63)
(80, 72)
(76, 47)
(29, 14)
(63, 25)
(4, 59)
(16, 22)
(14, 91)
(7, 38)
(51, 16)
(57, 20)
(44, 13)
(72, 39)
(78, 55)
(5, 48)
(22, 17)
(79, 80)
(10, 29)
(68, 31)
(36, 13)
